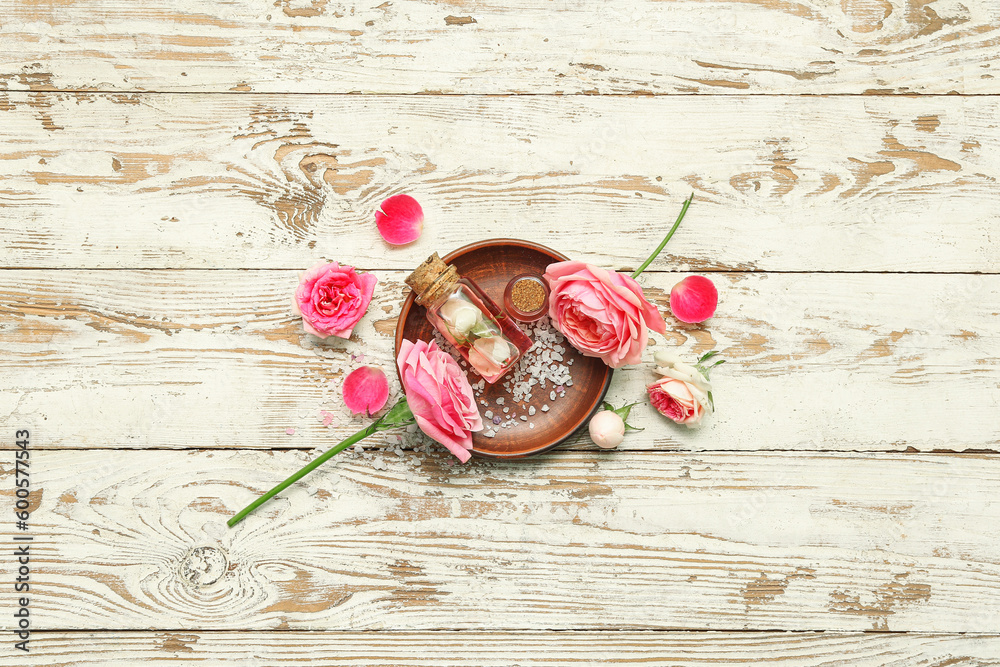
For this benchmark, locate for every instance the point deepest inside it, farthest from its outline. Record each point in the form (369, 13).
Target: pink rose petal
(401, 220)
(366, 390)
(694, 299)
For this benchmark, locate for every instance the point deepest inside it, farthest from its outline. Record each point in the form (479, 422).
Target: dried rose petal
(366, 390)
(694, 299)
(401, 220)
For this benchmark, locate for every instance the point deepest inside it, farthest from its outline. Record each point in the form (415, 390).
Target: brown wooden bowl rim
(408, 305)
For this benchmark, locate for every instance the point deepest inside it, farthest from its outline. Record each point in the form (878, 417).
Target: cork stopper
(432, 280)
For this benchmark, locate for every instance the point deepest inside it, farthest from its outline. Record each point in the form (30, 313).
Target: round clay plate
(491, 264)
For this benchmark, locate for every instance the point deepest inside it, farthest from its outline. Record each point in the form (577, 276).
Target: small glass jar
(526, 298)
(490, 341)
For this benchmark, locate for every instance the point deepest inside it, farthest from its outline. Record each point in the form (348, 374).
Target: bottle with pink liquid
(490, 341)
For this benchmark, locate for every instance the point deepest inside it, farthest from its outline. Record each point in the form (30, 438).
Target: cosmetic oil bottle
(490, 341)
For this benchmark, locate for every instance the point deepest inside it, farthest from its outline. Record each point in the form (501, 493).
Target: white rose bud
(607, 429)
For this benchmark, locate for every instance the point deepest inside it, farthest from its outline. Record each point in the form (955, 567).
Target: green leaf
(485, 328)
(623, 412)
(398, 415)
(705, 357)
(702, 368)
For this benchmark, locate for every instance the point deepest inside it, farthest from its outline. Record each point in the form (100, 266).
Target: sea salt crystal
(500, 401)
(488, 414)
(506, 409)
(531, 426)
(545, 408)
(523, 418)
(552, 395)
(489, 434)
(531, 410)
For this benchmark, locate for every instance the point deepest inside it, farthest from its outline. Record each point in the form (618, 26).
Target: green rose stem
(398, 415)
(687, 202)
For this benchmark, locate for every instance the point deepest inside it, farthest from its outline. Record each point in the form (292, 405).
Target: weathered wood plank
(218, 359)
(567, 540)
(209, 181)
(503, 649)
(625, 47)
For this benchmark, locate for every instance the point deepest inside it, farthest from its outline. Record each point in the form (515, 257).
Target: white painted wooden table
(166, 169)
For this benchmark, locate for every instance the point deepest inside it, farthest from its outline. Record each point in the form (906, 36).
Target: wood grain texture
(218, 359)
(503, 649)
(567, 540)
(641, 47)
(210, 181)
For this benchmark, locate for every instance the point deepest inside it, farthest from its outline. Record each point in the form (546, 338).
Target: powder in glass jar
(528, 296)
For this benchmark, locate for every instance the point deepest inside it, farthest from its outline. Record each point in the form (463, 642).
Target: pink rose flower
(602, 313)
(683, 394)
(332, 298)
(439, 395)
(607, 429)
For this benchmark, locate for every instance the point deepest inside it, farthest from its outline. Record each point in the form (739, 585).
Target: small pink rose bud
(607, 429)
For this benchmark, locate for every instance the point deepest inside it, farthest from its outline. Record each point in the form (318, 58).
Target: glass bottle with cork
(485, 337)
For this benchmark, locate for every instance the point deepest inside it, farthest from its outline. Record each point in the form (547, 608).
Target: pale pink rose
(607, 429)
(439, 396)
(683, 394)
(332, 298)
(602, 313)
